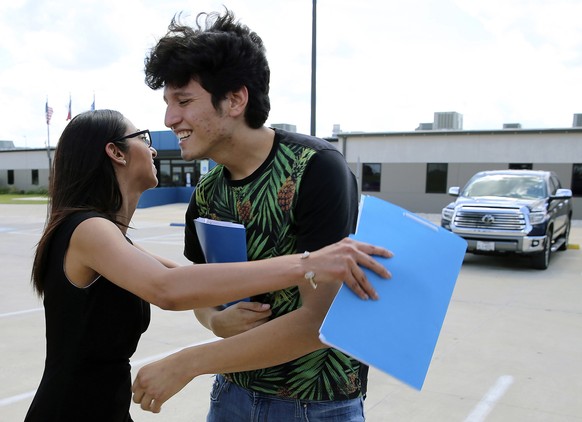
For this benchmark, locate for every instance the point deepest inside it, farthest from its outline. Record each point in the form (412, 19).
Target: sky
(382, 66)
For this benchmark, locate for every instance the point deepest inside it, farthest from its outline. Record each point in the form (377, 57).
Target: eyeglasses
(144, 136)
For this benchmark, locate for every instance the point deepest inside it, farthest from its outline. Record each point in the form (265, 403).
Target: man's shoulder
(210, 177)
(309, 141)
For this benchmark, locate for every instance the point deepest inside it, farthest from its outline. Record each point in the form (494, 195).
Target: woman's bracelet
(309, 275)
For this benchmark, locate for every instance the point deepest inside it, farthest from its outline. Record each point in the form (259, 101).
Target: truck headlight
(537, 217)
(447, 213)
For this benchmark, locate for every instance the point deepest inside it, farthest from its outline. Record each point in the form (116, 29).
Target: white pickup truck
(512, 211)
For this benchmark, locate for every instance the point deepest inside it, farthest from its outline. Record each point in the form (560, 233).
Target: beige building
(415, 169)
(24, 169)
(411, 169)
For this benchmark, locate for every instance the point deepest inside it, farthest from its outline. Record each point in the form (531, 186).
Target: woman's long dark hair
(82, 177)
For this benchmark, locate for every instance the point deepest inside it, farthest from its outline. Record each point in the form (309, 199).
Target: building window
(34, 174)
(10, 177)
(178, 173)
(371, 173)
(436, 177)
(520, 166)
(164, 174)
(577, 179)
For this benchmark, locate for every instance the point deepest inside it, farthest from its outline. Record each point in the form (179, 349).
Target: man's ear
(116, 155)
(237, 101)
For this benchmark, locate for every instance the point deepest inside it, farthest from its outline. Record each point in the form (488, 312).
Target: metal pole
(313, 67)
(48, 149)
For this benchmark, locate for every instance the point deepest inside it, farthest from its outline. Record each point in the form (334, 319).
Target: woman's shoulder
(71, 222)
(74, 219)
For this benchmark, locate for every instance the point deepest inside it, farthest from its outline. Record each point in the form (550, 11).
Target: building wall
(404, 158)
(404, 184)
(23, 180)
(22, 162)
(465, 147)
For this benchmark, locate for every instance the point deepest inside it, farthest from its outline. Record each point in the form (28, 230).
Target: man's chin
(188, 156)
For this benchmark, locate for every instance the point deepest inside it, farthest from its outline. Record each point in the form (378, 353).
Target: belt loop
(299, 409)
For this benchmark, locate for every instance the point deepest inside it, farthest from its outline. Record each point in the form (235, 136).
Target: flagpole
(48, 147)
(48, 114)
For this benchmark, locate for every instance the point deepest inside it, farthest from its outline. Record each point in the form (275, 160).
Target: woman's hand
(341, 261)
(159, 381)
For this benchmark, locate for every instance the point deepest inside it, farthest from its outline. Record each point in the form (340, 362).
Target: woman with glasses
(97, 285)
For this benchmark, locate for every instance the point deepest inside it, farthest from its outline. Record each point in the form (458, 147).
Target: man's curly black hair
(222, 55)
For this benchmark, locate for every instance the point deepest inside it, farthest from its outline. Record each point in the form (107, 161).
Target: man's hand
(238, 318)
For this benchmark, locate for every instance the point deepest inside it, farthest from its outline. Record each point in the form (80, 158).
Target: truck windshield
(506, 186)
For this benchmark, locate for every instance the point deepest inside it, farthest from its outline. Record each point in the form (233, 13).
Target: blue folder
(397, 334)
(222, 241)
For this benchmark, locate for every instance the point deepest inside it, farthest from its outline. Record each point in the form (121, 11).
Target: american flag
(48, 112)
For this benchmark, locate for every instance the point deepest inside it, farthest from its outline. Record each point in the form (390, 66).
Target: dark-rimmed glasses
(144, 135)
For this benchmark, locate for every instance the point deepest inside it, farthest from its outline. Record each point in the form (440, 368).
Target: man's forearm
(278, 341)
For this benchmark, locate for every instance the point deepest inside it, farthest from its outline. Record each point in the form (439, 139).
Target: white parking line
(157, 242)
(27, 311)
(488, 402)
(141, 362)
(27, 232)
(177, 237)
(17, 398)
(134, 364)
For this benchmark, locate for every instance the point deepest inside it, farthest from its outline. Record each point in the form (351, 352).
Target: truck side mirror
(454, 191)
(562, 194)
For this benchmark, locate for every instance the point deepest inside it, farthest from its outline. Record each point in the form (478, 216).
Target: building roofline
(441, 132)
(24, 149)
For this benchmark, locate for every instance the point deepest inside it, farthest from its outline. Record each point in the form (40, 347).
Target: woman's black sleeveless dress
(90, 335)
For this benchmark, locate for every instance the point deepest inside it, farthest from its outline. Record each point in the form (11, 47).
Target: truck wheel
(566, 235)
(540, 261)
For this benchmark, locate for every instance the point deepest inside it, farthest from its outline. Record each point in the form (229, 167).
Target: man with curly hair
(293, 193)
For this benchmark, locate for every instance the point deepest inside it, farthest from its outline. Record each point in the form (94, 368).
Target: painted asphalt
(510, 348)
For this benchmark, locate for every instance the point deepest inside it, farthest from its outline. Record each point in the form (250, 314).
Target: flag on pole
(48, 111)
(69, 113)
(93, 103)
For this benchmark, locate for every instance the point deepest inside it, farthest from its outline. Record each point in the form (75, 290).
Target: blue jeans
(231, 403)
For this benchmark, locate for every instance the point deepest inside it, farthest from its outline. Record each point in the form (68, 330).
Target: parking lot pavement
(509, 349)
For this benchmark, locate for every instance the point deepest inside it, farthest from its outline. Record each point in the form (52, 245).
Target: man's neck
(248, 152)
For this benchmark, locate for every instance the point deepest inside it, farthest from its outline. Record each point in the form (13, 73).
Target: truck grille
(489, 219)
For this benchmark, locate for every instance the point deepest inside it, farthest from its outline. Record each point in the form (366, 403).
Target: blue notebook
(222, 241)
(397, 334)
